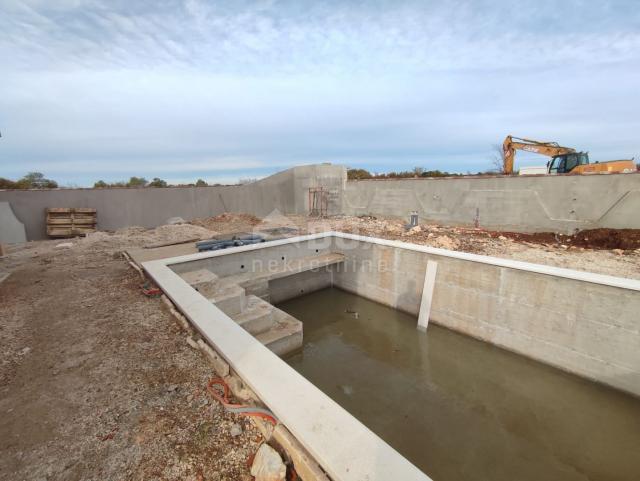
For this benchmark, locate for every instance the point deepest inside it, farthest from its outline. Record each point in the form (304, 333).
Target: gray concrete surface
(562, 204)
(12, 231)
(585, 328)
(580, 322)
(285, 192)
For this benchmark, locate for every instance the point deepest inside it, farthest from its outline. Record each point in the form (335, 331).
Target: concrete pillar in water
(427, 295)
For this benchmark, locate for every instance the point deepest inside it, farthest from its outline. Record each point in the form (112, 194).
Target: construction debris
(268, 465)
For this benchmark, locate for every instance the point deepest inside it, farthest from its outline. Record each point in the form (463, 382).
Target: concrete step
(257, 316)
(229, 298)
(285, 336)
(202, 280)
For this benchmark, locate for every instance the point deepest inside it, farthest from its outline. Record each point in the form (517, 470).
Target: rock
(502, 238)
(415, 229)
(446, 242)
(617, 251)
(267, 465)
(172, 388)
(175, 220)
(64, 245)
(236, 430)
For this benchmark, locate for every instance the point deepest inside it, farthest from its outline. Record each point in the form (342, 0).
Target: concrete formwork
(561, 203)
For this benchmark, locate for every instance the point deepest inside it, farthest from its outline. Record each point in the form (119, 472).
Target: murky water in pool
(458, 408)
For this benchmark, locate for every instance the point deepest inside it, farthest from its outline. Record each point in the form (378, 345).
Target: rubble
(268, 465)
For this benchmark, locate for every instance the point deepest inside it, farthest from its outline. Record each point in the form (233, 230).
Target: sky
(192, 89)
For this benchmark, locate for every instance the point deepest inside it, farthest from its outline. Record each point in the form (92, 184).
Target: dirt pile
(607, 239)
(227, 222)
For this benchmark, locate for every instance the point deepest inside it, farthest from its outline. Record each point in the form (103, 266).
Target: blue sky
(96, 89)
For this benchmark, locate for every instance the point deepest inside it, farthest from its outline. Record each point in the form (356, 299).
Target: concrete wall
(11, 229)
(586, 328)
(286, 192)
(582, 323)
(563, 203)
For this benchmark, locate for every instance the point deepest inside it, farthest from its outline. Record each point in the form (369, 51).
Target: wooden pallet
(70, 222)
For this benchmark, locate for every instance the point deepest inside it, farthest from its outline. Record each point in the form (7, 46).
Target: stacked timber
(70, 222)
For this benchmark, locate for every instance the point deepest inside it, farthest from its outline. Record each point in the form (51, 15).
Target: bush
(156, 182)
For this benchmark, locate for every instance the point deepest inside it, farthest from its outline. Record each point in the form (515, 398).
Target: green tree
(156, 182)
(137, 182)
(201, 183)
(36, 180)
(101, 184)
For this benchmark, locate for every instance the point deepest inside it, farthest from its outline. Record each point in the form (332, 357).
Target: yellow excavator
(564, 160)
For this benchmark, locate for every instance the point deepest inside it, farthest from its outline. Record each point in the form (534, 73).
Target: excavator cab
(565, 163)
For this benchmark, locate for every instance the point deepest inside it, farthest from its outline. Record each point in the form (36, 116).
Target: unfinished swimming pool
(459, 408)
(470, 405)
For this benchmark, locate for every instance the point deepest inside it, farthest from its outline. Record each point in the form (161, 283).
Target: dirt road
(96, 380)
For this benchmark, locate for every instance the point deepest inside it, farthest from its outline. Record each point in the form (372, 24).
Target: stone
(236, 430)
(175, 220)
(64, 245)
(618, 251)
(267, 465)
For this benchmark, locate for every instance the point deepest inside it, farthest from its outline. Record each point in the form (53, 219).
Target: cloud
(211, 88)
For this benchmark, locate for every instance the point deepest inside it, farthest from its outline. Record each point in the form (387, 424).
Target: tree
(201, 183)
(101, 184)
(36, 180)
(418, 171)
(156, 182)
(497, 159)
(137, 182)
(7, 184)
(357, 174)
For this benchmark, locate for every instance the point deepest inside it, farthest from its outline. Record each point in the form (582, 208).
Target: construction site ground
(97, 380)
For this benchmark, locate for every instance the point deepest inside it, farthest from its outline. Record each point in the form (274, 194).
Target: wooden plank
(171, 243)
(59, 209)
(59, 221)
(70, 221)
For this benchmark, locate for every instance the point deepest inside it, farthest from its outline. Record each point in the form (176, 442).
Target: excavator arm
(511, 144)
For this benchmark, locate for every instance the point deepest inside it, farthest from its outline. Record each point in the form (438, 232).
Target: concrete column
(427, 295)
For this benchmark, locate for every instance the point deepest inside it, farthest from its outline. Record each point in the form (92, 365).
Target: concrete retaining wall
(285, 191)
(563, 203)
(587, 328)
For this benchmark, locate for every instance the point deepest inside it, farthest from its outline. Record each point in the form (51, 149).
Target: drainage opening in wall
(500, 386)
(457, 407)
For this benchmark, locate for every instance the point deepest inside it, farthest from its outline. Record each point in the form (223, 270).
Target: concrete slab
(11, 229)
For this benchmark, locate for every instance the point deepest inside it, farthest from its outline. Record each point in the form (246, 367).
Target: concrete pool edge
(341, 444)
(584, 276)
(344, 447)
